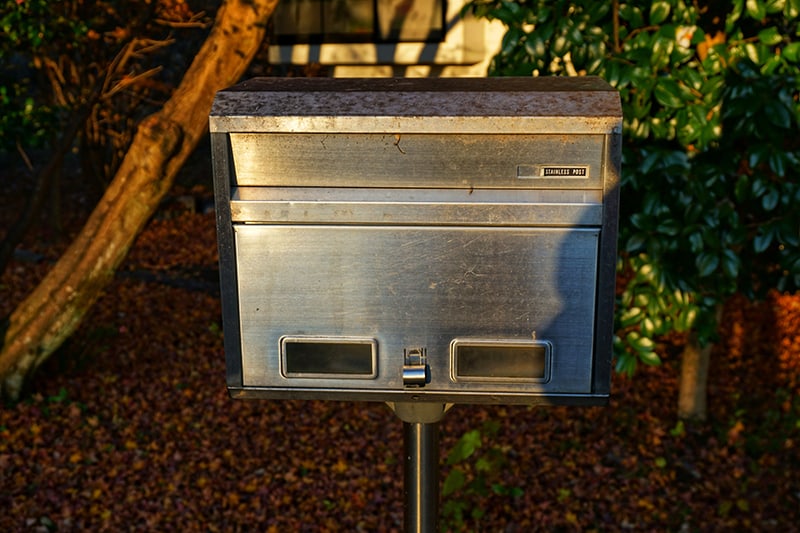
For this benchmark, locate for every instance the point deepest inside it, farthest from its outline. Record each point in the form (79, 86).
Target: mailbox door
(374, 293)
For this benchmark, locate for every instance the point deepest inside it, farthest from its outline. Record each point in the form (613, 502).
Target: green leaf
(696, 242)
(724, 508)
(770, 36)
(455, 480)
(730, 264)
(626, 364)
(477, 513)
(535, 46)
(633, 14)
(792, 52)
(627, 296)
(507, 13)
(685, 320)
(669, 227)
(706, 264)
(645, 273)
(668, 93)
(640, 220)
(559, 46)
(465, 447)
(681, 298)
(648, 327)
(661, 48)
(756, 53)
(510, 41)
(743, 505)
(484, 465)
(642, 299)
(636, 242)
(759, 187)
(789, 233)
(650, 358)
(770, 200)
(679, 430)
(639, 342)
(575, 36)
(612, 73)
(762, 240)
(630, 317)
(712, 89)
(778, 114)
(659, 11)
(776, 161)
(691, 78)
(756, 9)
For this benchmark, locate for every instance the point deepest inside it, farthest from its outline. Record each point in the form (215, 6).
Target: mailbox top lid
(418, 105)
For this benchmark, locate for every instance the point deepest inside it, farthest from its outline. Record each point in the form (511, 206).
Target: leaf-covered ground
(129, 428)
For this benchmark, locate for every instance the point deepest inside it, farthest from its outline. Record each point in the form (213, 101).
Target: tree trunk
(693, 384)
(162, 143)
(692, 391)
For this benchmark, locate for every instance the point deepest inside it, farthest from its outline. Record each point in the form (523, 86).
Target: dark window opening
(501, 361)
(358, 21)
(324, 357)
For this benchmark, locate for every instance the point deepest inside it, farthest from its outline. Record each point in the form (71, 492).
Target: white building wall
(466, 51)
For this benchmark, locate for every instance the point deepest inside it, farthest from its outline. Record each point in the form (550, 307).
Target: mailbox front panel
(407, 288)
(419, 160)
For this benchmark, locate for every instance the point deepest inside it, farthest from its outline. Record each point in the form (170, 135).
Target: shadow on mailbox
(433, 241)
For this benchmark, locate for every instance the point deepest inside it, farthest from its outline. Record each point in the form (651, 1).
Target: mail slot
(418, 240)
(497, 360)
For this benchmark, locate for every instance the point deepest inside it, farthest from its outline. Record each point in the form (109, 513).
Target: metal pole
(421, 441)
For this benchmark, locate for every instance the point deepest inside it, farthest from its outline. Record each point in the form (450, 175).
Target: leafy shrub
(711, 154)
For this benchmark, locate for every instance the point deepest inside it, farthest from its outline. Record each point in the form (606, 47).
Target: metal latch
(415, 367)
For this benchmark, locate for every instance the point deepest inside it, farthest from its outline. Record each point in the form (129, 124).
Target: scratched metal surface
(414, 160)
(447, 207)
(465, 105)
(417, 287)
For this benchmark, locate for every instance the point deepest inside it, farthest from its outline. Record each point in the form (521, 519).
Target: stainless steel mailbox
(418, 240)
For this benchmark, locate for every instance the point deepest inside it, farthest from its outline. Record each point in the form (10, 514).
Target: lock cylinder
(415, 367)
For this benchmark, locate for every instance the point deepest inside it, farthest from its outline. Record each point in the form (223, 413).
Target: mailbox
(418, 240)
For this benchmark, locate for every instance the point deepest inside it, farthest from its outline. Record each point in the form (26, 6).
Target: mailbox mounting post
(420, 464)
(421, 477)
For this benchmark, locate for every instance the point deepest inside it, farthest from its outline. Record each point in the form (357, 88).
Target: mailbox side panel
(223, 173)
(607, 264)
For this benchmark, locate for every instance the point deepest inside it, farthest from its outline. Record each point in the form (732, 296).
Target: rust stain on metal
(397, 144)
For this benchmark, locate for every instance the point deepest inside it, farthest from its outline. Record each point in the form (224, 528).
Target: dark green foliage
(30, 30)
(711, 155)
(103, 64)
(474, 473)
